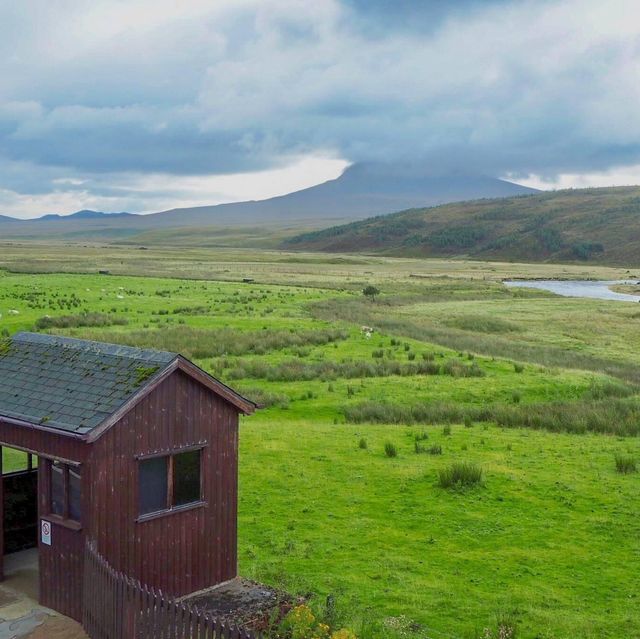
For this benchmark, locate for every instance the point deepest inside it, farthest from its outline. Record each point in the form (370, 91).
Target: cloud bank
(108, 103)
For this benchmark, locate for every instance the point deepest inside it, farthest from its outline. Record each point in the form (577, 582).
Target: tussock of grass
(263, 398)
(626, 464)
(390, 450)
(460, 475)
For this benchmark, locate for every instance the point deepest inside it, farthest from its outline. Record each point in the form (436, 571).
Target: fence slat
(115, 606)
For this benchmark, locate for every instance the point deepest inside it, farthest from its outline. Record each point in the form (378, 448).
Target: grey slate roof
(71, 384)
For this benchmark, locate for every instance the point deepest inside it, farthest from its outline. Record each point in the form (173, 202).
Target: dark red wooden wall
(178, 552)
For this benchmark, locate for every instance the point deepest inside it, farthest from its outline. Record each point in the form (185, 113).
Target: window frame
(65, 519)
(170, 507)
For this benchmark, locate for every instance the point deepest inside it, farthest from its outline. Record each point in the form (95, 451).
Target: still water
(579, 288)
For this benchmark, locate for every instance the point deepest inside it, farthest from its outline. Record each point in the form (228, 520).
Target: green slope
(598, 225)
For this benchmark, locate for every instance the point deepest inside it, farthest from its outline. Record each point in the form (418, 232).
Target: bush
(390, 450)
(460, 475)
(446, 431)
(418, 448)
(625, 464)
(435, 449)
(362, 444)
(518, 368)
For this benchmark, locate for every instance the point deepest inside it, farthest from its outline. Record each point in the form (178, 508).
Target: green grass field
(549, 540)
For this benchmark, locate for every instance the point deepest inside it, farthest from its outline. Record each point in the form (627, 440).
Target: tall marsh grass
(200, 343)
(295, 370)
(615, 416)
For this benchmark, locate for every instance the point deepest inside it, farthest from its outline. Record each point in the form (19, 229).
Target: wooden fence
(118, 607)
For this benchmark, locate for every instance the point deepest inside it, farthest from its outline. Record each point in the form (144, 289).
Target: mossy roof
(70, 384)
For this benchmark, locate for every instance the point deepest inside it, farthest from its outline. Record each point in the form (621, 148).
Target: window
(153, 484)
(169, 481)
(66, 491)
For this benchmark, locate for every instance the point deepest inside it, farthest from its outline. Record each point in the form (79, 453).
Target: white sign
(45, 532)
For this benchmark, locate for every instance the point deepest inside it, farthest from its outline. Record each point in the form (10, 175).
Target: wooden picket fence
(116, 606)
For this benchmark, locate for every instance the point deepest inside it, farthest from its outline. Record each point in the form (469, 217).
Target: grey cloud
(492, 87)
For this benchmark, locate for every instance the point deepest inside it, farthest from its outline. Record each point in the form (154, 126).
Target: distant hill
(85, 214)
(600, 225)
(361, 191)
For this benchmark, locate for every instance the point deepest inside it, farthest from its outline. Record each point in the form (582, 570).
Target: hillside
(360, 192)
(600, 225)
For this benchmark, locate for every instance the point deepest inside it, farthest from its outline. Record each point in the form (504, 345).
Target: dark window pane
(74, 494)
(186, 478)
(57, 489)
(153, 485)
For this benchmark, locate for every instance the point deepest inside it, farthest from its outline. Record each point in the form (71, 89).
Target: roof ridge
(118, 350)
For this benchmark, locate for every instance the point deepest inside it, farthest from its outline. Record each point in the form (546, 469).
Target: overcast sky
(143, 105)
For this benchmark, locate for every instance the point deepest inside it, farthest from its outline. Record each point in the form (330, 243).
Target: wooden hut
(137, 453)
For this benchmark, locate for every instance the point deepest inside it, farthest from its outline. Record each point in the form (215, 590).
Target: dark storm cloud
(198, 88)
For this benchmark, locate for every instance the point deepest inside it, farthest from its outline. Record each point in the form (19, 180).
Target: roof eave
(244, 405)
(48, 429)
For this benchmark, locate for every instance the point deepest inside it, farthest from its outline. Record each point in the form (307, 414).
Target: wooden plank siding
(176, 553)
(183, 551)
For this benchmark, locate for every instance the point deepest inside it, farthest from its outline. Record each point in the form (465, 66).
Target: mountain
(85, 214)
(361, 191)
(601, 225)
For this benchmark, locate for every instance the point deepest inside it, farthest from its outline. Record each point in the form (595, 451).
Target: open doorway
(20, 521)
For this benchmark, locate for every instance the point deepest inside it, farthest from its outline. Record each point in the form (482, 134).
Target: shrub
(419, 437)
(362, 444)
(518, 368)
(371, 292)
(435, 449)
(390, 450)
(625, 464)
(460, 475)
(446, 431)
(468, 422)
(516, 397)
(418, 448)
(411, 356)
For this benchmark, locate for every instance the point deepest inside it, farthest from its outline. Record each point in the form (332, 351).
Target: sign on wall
(45, 532)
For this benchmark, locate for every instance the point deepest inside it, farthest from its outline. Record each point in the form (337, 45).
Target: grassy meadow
(340, 471)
